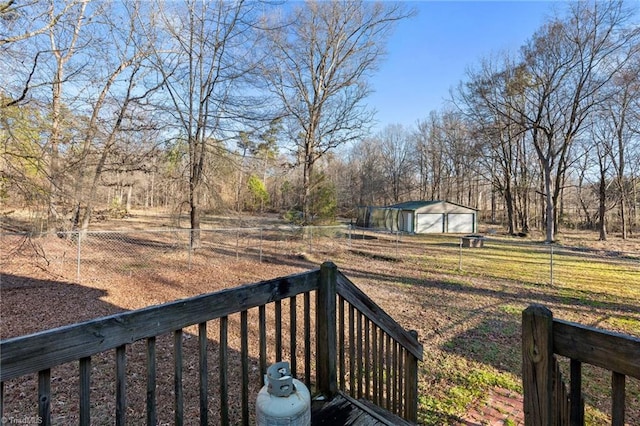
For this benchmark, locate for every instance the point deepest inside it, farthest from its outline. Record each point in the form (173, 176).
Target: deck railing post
(411, 381)
(326, 339)
(537, 371)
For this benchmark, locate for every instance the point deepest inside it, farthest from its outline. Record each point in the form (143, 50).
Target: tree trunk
(493, 206)
(635, 211)
(153, 184)
(129, 195)
(508, 198)
(623, 211)
(306, 184)
(602, 206)
(194, 216)
(54, 162)
(549, 207)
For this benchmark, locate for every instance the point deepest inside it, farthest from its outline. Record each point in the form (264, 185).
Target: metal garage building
(420, 217)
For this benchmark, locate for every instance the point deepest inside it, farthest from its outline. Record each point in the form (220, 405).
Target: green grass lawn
(470, 302)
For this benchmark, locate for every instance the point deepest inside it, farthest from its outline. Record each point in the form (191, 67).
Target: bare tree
(626, 134)
(64, 41)
(430, 145)
(365, 166)
(20, 23)
(51, 40)
(568, 62)
(461, 152)
(488, 100)
(318, 67)
(601, 138)
(202, 56)
(396, 161)
(40, 18)
(118, 87)
(23, 175)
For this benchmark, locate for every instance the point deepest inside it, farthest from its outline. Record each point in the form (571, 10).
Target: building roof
(415, 205)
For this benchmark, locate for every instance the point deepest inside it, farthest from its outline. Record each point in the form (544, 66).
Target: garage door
(460, 223)
(429, 223)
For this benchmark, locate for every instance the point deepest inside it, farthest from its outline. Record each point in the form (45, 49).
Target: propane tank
(283, 400)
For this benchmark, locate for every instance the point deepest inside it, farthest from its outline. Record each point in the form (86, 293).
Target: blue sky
(428, 54)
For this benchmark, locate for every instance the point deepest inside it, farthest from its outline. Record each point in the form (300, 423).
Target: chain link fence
(549, 264)
(80, 256)
(98, 254)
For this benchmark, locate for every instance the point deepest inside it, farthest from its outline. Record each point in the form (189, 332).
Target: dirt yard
(468, 321)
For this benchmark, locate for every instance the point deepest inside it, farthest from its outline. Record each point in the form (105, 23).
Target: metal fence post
(78, 257)
(260, 245)
(551, 263)
(397, 241)
(190, 247)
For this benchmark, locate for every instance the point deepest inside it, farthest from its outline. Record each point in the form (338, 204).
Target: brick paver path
(501, 407)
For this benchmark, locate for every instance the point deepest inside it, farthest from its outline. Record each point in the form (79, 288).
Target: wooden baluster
(121, 386)
(177, 378)
(575, 396)
(352, 353)
(307, 339)
(244, 359)
(262, 331)
(374, 366)
(1, 400)
(617, 397)
(389, 371)
(381, 360)
(293, 331)
(44, 396)
(204, 373)
(367, 358)
(395, 376)
(224, 359)
(341, 343)
(359, 354)
(401, 374)
(412, 384)
(278, 320)
(85, 391)
(152, 416)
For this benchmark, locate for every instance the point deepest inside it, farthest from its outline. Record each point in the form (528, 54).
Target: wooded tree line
(190, 105)
(244, 106)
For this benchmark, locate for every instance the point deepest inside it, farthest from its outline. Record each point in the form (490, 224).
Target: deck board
(344, 410)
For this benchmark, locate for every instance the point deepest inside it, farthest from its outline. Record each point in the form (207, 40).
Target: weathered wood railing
(377, 359)
(389, 355)
(546, 399)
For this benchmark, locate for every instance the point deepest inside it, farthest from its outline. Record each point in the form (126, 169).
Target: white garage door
(430, 223)
(460, 222)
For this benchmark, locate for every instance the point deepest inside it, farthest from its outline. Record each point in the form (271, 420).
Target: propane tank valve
(283, 401)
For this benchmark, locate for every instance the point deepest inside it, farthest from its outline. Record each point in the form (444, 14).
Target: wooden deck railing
(383, 360)
(546, 398)
(377, 359)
